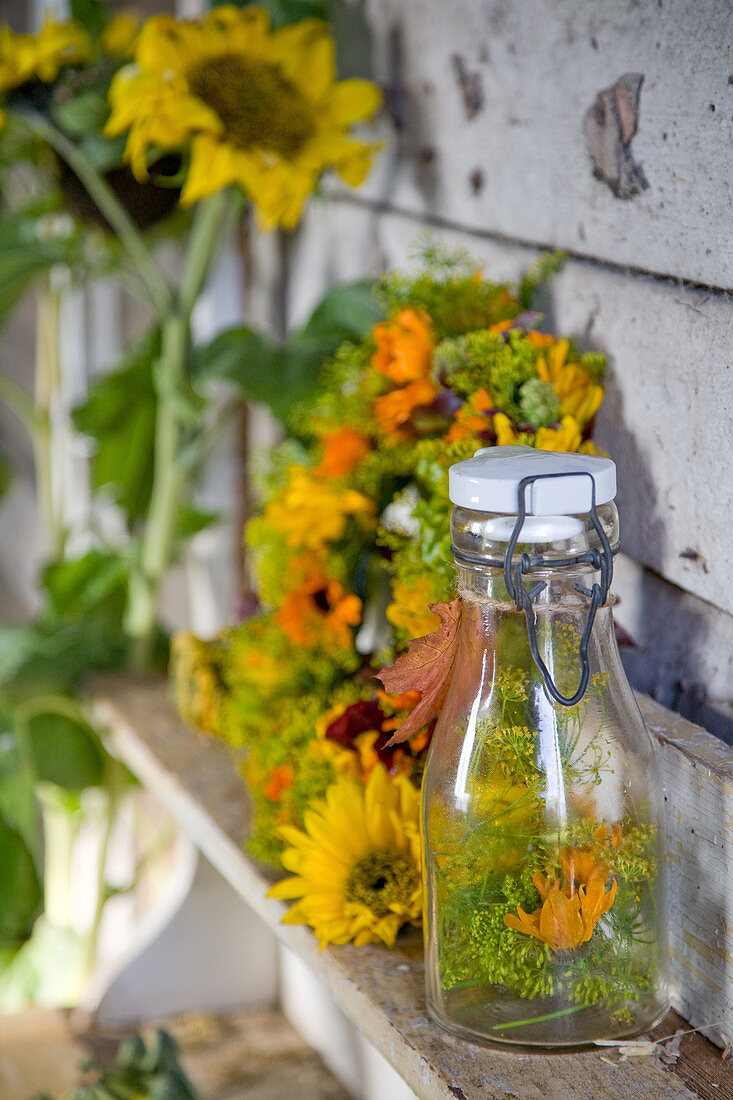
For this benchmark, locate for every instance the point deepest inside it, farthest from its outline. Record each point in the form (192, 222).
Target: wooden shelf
(381, 991)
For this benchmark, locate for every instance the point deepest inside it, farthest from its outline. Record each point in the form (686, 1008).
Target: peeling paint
(609, 125)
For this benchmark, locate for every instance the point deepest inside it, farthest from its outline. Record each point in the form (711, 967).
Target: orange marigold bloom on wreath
(471, 419)
(409, 609)
(320, 612)
(395, 409)
(281, 779)
(404, 347)
(540, 339)
(406, 701)
(343, 450)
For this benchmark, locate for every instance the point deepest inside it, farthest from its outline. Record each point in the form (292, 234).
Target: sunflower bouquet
(118, 135)
(350, 550)
(118, 123)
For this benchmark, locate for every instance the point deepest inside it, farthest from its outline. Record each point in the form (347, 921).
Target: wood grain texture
(382, 991)
(498, 106)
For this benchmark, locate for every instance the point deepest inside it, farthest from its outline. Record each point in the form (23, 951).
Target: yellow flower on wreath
(310, 512)
(409, 609)
(580, 397)
(568, 437)
(41, 56)
(357, 862)
(257, 108)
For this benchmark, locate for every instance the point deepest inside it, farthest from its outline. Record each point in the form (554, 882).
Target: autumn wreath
(352, 558)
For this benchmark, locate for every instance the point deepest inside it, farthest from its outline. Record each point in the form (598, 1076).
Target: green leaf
(346, 312)
(82, 113)
(192, 520)
(20, 891)
(279, 377)
(65, 752)
(92, 14)
(50, 658)
(120, 414)
(242, 356)
(78, 586)
(25, 254)
(18, 804)
(104, 153)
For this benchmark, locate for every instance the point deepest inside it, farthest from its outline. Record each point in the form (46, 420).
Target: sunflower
(319, 612)
(357, 864)
(256, 107)
(41, 56)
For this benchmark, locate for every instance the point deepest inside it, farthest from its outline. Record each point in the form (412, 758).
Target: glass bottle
(542, 804)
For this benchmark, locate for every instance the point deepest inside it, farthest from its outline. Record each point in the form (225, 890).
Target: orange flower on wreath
(395, 409)
(281, 779)
(472, 418)
(404, 347)
(319, 612)
(343, 450)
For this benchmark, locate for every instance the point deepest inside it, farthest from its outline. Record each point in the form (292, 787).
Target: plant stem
(168, 472)
(112, 791)
(47, 382)
(109, 206)
(538, 1019)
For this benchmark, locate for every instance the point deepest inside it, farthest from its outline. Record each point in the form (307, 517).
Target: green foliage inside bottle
(536, 892)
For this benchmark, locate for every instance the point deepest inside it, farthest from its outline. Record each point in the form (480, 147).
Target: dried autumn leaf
(425, 668)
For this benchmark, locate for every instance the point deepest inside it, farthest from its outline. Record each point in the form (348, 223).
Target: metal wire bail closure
(523, 598)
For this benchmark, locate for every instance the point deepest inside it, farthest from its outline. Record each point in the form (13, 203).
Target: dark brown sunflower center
(380, 879)
(259, 107)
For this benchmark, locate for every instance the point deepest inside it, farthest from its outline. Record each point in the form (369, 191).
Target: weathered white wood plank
(383, 991)
(697, 771)
(491, 100)
(669, 401)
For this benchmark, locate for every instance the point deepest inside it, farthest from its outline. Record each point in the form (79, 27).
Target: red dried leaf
(425, 668)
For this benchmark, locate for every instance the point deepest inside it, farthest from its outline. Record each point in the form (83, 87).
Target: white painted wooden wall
(494, 150)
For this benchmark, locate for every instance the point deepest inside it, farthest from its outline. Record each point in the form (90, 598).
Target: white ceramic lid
(489, 482)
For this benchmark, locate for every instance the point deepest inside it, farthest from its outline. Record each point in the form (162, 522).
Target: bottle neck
(548, 640)
(487, 585)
